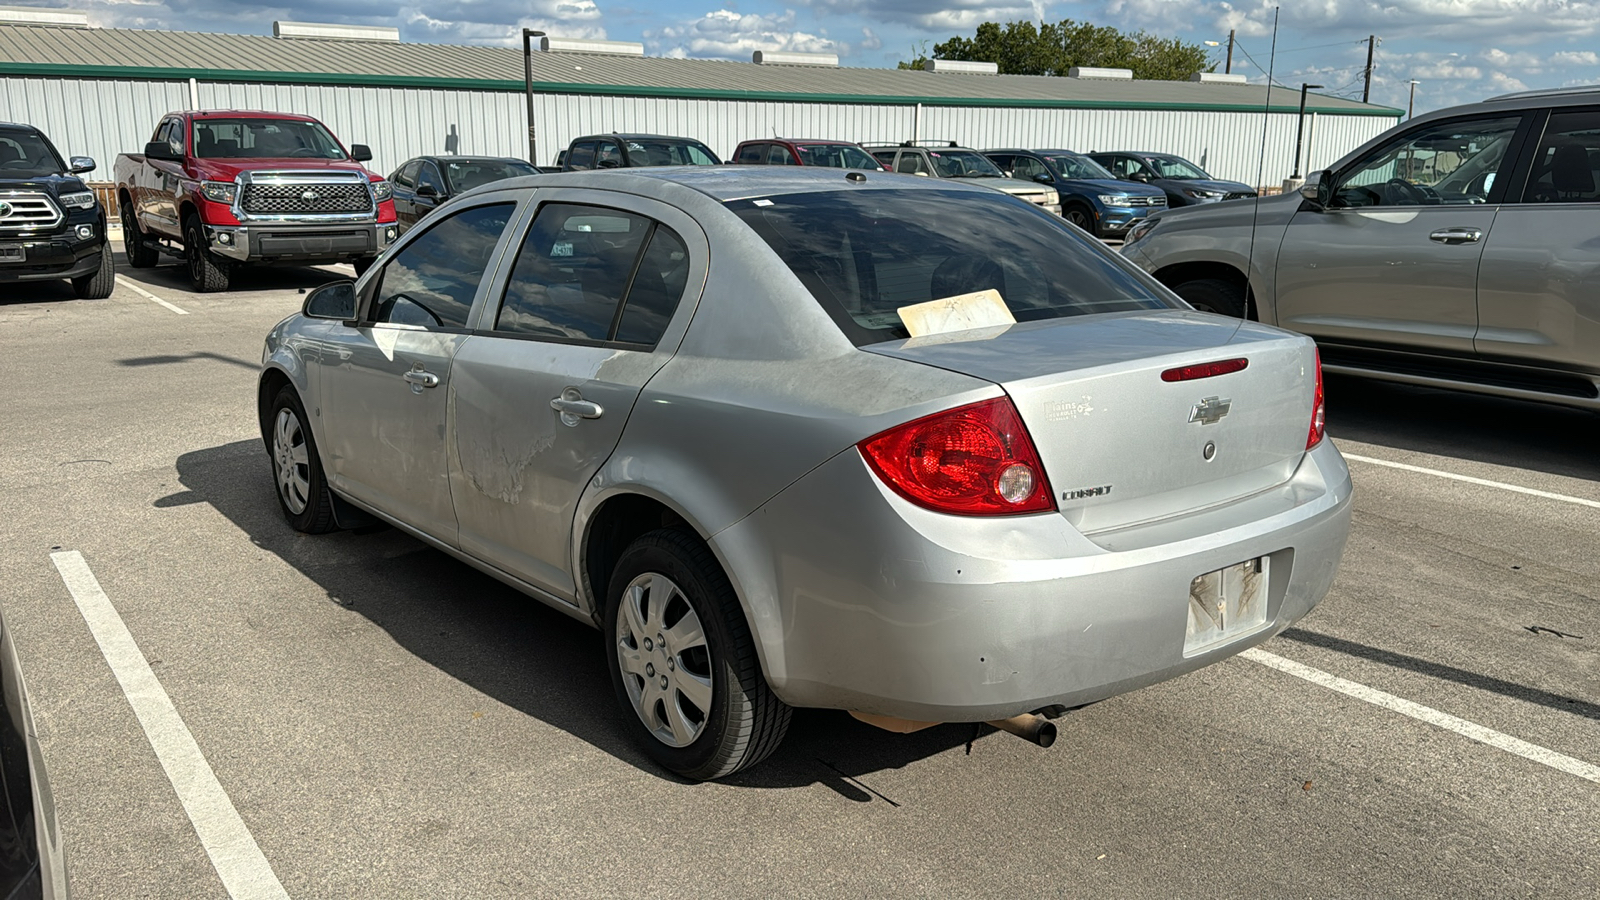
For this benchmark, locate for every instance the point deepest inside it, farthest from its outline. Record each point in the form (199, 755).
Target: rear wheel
(140, 255)
(1082, 218)
(207, 274)
(1214, 295)
(97, 285)
(683, 663)
(302, 487)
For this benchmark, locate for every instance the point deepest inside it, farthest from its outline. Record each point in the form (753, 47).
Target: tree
(1021, 48)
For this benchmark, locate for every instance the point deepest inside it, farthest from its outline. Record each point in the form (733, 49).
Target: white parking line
(149, 296)
(1564, 498)
(1428, 714)
(234, 853)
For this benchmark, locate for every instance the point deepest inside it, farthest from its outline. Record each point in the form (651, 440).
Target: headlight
(219, 191)
(1114, 199)
(1203, 195)
(1140, 229)
(382, 190)
(79, 200)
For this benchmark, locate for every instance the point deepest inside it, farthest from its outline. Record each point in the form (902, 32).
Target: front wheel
(207, 274)
(683, 663)
(97, 285)
(1082, 218)
(302, 486)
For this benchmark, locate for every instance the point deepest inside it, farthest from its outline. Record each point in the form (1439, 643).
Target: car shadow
(531, 658)
(170, 275)
(1495, 430)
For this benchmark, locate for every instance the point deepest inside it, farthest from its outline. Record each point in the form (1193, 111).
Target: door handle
(1457, 235)
(420, 379)
(573, 407)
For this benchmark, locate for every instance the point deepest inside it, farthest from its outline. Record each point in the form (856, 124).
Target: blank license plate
(1225, 604)
(12, 253)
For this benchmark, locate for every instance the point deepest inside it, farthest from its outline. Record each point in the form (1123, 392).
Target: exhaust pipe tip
(1031, 728)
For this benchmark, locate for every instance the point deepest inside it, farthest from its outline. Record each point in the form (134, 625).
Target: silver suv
(945, 159)
(1460, 249)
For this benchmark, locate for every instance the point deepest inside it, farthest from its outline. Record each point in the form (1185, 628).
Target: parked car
(1455, 250)
(804, 152)
(51, 224)
(34, 861)
(623, 151)
(226, 187)
(683, 405)
(946, 160)
(1185, 183)
(1091, 198)
(422, 183)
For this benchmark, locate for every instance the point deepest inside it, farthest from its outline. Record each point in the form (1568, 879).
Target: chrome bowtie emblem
(5, 209)
(309, 196)
(1210, 410)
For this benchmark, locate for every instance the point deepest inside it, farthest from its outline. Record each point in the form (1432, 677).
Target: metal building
(99, 92)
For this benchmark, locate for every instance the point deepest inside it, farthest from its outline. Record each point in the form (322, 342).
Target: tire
(1081, 217)
(97, 285)
(716, 714)
(363, 264)
(1214, 295)
(140, 255)
(302, 488)
(207, 274)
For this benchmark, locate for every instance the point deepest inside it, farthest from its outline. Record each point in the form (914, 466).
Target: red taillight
(1319, 414)
(974, 460)
(1205, 370)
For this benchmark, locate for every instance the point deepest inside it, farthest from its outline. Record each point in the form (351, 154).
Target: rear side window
(581, 156)
(1566, 166)
(431, 281)
(592, 274)
(781, 156)
(864, 254)
(755, 154)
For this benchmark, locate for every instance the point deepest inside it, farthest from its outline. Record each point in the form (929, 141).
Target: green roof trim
(548, 87)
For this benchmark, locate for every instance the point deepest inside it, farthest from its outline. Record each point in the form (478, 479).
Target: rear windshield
(864, 254)
(838, 156)
(464, 175)
(263, 139)
(652, 152)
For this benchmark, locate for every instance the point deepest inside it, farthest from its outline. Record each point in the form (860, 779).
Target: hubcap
(290, 462)
(1077, 218)
(667, 674)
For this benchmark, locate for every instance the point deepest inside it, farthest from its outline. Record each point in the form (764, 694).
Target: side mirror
(161, 150)
(1044, 178)
(360, 152)
(1140, 177)
(427, 190)
(80, 165)
(336, 300)
(609, 164)
(1318, 189)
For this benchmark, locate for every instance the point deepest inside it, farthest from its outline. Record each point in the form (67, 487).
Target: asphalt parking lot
(386, 722)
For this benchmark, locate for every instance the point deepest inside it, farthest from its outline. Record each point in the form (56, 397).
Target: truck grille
(268, 199)
(27, 211)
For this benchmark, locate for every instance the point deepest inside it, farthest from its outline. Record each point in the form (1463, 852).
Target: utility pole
(528, 34)
(1228, 68)
(1411, 108)
(1300, 127)
(1366, 89)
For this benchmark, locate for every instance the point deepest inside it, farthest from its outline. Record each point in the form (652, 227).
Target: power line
(1321, 46)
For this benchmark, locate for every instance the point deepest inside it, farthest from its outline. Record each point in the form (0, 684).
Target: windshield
(464, 175)
(836, 156)
(263, 139)
(865, 254)
(670, 153)
(1176, 167)
(26, 153)
(1071, 166)
(963, 164)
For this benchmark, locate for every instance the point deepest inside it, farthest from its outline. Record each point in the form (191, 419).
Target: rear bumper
(294, 243)
(859, 600)
(51, 259)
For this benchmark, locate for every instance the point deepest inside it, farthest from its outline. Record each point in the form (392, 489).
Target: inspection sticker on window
(761, 202)
(962, 312)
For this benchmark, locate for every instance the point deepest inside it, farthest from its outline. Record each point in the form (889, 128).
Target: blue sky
(1459, 50)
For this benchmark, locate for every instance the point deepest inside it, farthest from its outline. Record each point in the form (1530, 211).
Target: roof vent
(1114, 74)
(961, 67)
(320, 32)
(579, 45)
(1217, 78)
(786, 58)
(52, 18)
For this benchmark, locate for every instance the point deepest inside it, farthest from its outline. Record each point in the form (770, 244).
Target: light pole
(1411, 108)
(1300, 127)
(528, 34)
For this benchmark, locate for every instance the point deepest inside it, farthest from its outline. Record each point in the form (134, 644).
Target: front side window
(407, 176)
(431, 281)
(429, 177)
(754, 154)
(574, 271)
(1071, 166)
(836, 156)
(24, 154)
(1027, 168)
(911, 164)
(263, 139)
(581, 156)
(608, 155)
(1178, 168)
(1566, 164)
(780, 156)
(865, 254)
(1447, 163)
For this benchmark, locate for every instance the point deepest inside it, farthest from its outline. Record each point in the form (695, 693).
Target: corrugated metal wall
(102, 118)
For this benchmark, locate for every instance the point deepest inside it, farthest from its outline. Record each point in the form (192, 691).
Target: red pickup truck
(227, 187)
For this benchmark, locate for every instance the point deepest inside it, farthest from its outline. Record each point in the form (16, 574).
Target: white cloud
(1504, 20)
(725, 34)
(954, 16)
(1576, 58)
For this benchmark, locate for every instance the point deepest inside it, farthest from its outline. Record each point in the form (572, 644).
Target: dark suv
(1185, 183)
(1091, 198)
(51, 225)
(798, 152)
(621, 151)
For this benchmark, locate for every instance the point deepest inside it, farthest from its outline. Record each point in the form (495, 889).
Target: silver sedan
(912, 449)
